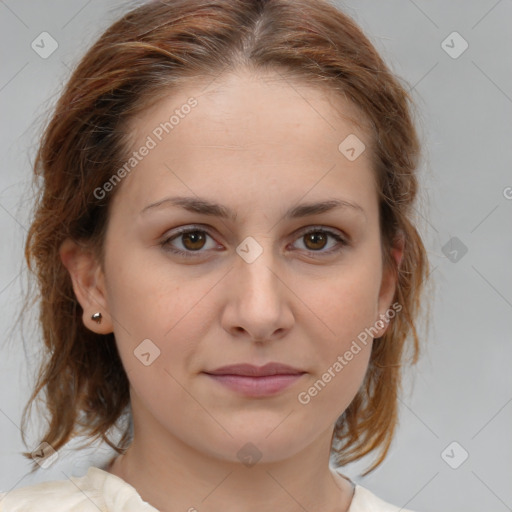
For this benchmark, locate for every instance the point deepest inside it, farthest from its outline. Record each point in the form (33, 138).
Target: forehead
(246, 129)
(251, 107)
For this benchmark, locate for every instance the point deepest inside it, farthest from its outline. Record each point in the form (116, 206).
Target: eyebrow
(205, 207)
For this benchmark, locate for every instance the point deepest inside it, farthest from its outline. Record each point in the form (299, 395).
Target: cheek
(162, 305)
(147, 298)
(347, 303)
(344, 310)
(155, 327)
(343, 351)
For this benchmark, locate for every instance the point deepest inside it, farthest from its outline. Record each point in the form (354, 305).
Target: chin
(254, 445)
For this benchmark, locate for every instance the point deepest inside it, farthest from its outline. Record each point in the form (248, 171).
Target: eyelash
(193, 229)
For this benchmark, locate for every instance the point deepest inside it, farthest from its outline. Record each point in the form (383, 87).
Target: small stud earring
(97, 317)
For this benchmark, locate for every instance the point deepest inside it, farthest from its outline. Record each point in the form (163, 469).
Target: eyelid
(167, 238)
(321, 227)
(341, 237)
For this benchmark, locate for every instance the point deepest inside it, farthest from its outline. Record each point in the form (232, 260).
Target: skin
(259, 146)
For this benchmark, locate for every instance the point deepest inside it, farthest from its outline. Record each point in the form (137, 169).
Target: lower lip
(257, 386)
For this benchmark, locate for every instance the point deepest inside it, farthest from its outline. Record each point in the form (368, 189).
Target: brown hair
(150, 51)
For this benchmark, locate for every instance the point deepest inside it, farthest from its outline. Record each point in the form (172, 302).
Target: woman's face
(262, 283)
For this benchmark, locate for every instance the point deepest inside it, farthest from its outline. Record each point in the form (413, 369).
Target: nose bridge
(256, 269)
(258, 303)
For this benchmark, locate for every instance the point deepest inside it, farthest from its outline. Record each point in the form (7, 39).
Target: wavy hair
(159, 47)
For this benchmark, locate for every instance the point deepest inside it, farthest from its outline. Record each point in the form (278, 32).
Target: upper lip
(256, 371)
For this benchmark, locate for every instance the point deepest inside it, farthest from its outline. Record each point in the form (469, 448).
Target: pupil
(315, 237)
(197, 237)
(194, 237)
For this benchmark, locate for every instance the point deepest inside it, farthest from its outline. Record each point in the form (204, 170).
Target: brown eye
(315, 240)
(193, 240)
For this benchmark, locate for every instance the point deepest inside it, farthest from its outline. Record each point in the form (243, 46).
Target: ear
(88, 284)
(388, 286)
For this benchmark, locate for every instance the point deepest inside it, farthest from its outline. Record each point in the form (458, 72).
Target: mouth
(255, 381)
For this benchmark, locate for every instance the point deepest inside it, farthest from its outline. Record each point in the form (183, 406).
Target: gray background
(462, 388)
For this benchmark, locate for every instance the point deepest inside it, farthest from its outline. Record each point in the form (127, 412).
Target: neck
(174, 477)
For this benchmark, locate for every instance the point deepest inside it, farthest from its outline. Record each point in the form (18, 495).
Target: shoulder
(365, 501)
(96, 491)
(55, 496)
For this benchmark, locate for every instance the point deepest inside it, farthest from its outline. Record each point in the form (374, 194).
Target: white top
(100, 490)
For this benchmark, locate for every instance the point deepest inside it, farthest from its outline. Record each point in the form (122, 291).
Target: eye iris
(191, 239)
(194, 237)
(315, 237)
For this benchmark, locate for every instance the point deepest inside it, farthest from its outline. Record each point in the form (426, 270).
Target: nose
(259, 306)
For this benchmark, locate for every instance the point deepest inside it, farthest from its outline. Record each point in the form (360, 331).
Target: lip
(256, 381)
(249, 370)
